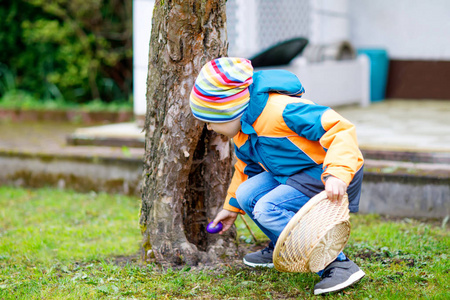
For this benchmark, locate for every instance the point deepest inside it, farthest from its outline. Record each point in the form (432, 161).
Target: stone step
(406, 189)
(394, 188)
(391, 168)
(407, 156)
(112, 135)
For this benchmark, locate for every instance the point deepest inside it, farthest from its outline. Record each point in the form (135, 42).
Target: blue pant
(270, 205)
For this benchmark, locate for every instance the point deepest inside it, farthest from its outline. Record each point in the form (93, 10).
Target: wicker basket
(314, 237)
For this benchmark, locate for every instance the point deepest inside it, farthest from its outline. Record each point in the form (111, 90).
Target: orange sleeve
(238, 178)
(343, 158)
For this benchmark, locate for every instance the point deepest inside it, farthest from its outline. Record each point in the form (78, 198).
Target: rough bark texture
(186, 168)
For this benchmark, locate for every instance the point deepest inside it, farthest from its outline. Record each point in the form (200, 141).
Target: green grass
(17, 99)
(65, 245)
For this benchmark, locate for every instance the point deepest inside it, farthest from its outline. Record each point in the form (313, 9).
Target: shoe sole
(351, 280)
(254, 265)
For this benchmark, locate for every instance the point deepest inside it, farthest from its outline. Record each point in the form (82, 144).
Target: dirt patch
(436, 222)
(122, 260)
(385, 258)
(234, 262)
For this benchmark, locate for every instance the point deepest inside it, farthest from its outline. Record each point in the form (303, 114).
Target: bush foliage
(76, 50)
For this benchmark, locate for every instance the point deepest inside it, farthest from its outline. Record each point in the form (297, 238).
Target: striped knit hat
(220, 93)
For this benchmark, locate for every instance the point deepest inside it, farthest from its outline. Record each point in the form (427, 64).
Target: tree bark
(187, 169)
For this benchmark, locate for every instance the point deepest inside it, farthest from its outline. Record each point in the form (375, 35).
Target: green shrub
(76, 50)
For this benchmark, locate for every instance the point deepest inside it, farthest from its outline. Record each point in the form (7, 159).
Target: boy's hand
(227, 218)
(335, 188)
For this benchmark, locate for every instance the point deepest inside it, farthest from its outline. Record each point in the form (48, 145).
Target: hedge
(75, 50)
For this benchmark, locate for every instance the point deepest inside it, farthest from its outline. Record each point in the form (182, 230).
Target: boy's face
(229, 129)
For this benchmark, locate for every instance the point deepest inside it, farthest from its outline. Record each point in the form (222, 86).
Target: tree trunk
(186, 168)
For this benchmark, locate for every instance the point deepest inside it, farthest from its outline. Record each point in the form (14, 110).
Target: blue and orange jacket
(296, 140)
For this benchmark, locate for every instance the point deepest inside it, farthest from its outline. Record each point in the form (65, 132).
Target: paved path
(49, 138)
(404, 125)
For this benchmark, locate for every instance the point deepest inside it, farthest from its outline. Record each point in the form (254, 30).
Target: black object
(280, 54)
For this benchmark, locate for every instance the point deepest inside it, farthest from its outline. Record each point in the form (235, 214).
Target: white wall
(142, 25)
(329, 21)
(407, 29)
(244, 41)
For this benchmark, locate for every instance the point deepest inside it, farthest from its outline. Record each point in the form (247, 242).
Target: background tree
(186, 168)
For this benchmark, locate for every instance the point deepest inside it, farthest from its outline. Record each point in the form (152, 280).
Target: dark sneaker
(261, 258)
(337, 276)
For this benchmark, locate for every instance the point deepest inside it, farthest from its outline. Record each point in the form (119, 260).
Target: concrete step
(112, 135)
(406, 183)
(394, 188)
(406, 189)
(407, 156)
(390, 168)
(98, 169)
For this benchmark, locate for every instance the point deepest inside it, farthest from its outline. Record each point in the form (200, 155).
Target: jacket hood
(264, 82)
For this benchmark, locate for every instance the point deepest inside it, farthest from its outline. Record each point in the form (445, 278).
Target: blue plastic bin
(379, 67)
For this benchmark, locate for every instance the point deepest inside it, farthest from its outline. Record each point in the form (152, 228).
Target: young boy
(287, 149)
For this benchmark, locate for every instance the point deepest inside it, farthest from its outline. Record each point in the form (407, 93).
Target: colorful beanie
(220, 93)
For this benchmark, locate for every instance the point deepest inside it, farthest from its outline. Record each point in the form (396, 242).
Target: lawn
(65, 245)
